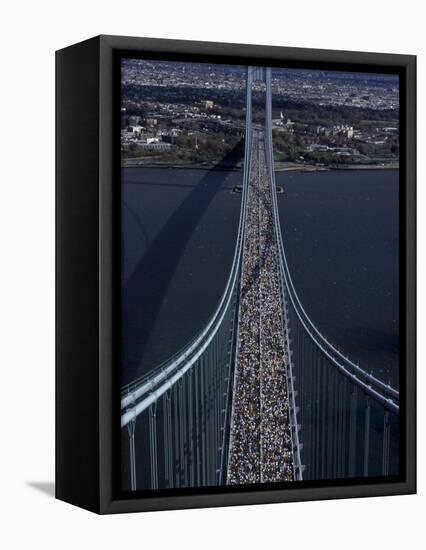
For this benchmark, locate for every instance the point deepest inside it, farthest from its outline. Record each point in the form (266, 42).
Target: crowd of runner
(260, 446)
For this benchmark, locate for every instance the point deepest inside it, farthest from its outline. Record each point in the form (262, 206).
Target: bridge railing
(178, 414)
(339, 403)
(294, 409)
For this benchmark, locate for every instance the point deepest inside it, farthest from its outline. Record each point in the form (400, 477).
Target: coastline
(279, 166)
(335, 167)
(179, 166)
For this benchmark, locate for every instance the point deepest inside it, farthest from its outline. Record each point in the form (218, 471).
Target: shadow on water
(139, 223)
(156, 268)
(162, 184)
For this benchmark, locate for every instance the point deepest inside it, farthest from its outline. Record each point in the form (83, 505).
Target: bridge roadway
(260, 436)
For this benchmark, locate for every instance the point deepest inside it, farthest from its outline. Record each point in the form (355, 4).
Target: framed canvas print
(235, 274)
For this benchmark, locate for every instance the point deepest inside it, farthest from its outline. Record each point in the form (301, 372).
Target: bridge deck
(260, 440)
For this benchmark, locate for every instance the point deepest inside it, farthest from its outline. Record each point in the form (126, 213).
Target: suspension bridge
(259, 394)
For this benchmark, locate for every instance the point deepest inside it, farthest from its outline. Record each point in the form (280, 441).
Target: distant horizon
(205, 66)
(179, 74)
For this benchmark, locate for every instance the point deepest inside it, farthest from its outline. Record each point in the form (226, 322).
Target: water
(340, 231)
(179, 232)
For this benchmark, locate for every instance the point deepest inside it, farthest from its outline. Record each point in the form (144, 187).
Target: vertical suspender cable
(191, 435)
(198, 426)
(181, 434)
(345, 409)
(153, 444)
(168, 441)
(132, 452)
(203, 423)
(366, 435)
(352, 431)
(386, 442)
(323, 419)
(177, 464)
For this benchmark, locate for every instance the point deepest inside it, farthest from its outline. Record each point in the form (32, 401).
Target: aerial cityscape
(259, 275)
(193, 115)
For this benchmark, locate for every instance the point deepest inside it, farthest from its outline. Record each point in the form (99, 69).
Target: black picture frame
(87, 308)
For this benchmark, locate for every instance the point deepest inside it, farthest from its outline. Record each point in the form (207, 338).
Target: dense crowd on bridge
(261, 446)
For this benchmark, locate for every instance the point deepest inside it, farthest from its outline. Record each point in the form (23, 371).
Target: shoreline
(181, 166)
(278, 167)
(313, 168)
